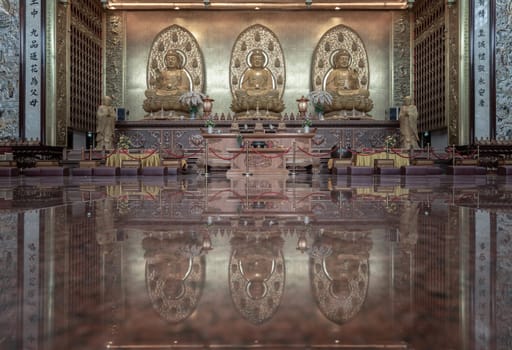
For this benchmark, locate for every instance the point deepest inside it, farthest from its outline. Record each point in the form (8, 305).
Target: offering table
(259, 152)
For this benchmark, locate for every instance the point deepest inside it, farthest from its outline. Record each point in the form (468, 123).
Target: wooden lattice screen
(429, 63)
(85, 63)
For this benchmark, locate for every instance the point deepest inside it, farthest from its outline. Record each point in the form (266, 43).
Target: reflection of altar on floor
(260, 198)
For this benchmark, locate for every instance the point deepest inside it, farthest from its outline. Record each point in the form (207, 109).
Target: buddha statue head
(173, 60)
(341, 59)
(257, 59)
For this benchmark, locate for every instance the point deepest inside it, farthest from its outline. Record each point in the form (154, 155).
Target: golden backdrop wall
(298, 33)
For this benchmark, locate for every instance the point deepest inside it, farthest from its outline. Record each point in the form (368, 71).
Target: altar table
(146, 159)
(294, 147)
(368, 160)
(258, 161)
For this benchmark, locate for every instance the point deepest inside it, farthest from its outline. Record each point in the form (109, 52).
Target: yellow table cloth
(146, 159)
(368, 159)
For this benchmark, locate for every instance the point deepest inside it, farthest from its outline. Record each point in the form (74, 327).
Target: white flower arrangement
(192, 98)
(209, 123)
(124, 142)
(319, 99)
(389, 141)
(307, 122)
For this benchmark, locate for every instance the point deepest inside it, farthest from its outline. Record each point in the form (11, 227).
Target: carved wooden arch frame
(255, 37)
(335, 39)
(181, 40)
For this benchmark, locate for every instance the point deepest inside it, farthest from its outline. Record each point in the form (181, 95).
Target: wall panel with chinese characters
(482, 68)
(34, 51)
(86, 64)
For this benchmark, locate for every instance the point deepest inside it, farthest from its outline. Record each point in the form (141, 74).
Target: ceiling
(256, 5)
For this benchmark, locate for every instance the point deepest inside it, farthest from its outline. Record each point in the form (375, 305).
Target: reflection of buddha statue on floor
(174, 275)
(257, 93)
(169, 84)
(344, 85)
(257, 276)
(339, 268)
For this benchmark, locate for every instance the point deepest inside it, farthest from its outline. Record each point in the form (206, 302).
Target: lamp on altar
(302, 243)
(206, 245)
(303, 106)
(207, 106)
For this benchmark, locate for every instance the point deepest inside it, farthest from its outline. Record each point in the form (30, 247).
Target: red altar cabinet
(259, 153)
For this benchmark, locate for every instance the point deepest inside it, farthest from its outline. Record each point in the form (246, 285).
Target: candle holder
(207, 106)
(303, 106)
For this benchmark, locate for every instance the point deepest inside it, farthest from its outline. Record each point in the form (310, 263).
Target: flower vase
(306, 129)
(210, 130)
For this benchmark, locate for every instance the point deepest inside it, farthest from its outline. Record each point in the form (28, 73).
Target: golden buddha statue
(344, 85)
(257, 95)
(169, 84)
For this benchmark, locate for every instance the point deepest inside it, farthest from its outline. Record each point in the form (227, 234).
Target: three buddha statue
(257, 74)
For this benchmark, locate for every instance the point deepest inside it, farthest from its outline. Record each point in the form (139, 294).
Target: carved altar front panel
(187, 136)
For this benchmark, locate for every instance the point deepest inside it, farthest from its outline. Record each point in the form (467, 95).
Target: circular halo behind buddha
(175, 66)
(340, 67)
(257, 74)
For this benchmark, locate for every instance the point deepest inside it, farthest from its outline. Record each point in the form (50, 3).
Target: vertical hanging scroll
(481, 68)
(33, 68)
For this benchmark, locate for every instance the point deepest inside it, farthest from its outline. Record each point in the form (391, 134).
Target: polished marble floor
(305, 262)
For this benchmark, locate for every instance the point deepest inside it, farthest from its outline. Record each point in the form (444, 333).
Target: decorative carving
(9, 69)
(62, 97)
(401, 57)
(503, 68)
(259, 161)
(257, 71)
(453, 76)
(115, 32)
